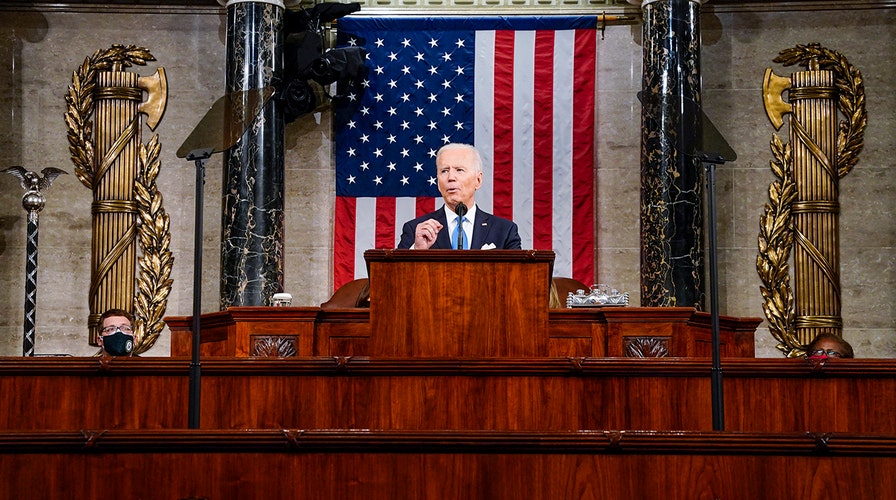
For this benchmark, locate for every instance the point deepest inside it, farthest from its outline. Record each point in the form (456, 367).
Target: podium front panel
(473, 303)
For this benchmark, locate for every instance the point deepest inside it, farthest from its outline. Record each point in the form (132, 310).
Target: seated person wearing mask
(116, 333)
(828, 345)
(459, 173)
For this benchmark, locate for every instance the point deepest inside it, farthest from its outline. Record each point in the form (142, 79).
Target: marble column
(252, 227)
(672, 256)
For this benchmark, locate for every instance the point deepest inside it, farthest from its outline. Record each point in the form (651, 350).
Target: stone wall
(39, 50)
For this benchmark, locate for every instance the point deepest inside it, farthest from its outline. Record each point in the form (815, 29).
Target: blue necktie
(458, 241)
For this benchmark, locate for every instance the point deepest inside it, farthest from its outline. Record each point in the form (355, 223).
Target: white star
(351, 151)
(351, 179)
(432, 153)
(418, 139)
(446, 56)
(393, 56)
(433, 70)
(405, 125)
(377, 124)
(364, 165)
(365, 111)
(419, 56)
(419, 84)
(459, 43)
(379, 42)
(418, 111)
(432, 181)
(433, 43)
(391, 139)
(378, 97)
(432, 125)
(418, 166)
(405, 153)
(353, 41)
(365, 83)
(377, 152)
(377, 180)
(352, 97)
(446, 111)
(446, 84)
(446, 139)
(391, 166)
(392, 111)
(406, 42)
(459, 126)
(378, 70)
(459, 70)
(365, 138)
(393, 84)
(459, 98)
(433, 97)
(406, 70)
(405, 180)
(351, 124)
(405, 97)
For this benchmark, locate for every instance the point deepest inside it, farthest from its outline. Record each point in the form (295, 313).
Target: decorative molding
(411, 7)
(645, 347)
(274, 346)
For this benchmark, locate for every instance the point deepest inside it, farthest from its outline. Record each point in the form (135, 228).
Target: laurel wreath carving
(154, 281)
(776, 229)
(851, 89)
(80, 103)
(775, 242)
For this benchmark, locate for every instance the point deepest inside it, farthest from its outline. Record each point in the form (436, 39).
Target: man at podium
(459, 224)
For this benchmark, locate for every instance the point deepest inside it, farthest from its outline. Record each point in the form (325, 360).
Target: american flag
(521, 89)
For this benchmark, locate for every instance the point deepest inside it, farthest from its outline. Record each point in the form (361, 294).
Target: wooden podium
(450, 303)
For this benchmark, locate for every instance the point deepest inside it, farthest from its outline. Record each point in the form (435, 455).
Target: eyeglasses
(109, 330)
(825, 352)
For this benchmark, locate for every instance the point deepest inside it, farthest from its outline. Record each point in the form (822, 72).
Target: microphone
(460, 210)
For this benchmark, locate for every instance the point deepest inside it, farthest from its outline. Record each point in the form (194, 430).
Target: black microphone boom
(460, 210)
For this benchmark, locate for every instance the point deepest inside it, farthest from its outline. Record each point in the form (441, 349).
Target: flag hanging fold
(521, 89)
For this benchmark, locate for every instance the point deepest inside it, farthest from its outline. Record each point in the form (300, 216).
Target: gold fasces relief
(111, 160)
(801, 219)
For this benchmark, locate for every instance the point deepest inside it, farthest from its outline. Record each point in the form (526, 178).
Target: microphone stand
(711, 149)
(461, 211)
(718, 400)
(712, 140)
(200, 157)
(221, 127)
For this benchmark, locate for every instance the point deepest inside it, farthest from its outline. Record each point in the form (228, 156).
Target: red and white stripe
(534, 125)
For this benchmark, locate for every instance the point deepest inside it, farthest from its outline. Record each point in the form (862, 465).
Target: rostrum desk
(476, 303)
(443, 390)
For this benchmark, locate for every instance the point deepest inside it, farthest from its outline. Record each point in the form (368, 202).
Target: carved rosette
(274, 346)
(645, 347)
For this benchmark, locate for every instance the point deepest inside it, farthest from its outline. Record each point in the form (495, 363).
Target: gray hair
(477, 158)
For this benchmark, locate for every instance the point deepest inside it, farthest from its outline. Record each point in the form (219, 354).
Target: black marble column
(252, 228)
(672, 257)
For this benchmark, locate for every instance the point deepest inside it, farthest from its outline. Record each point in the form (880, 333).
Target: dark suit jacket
(487, 229)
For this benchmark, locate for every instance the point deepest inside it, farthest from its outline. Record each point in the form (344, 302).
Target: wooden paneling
(580, 332)
(447, 303)
(444, 465)
(785, 395)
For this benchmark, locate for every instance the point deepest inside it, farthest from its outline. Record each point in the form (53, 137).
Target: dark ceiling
(212, 3)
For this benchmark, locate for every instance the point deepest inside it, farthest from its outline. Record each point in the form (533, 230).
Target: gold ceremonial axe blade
(156, 87)
(773, 87)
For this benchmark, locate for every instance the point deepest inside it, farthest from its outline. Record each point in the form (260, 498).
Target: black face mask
(119, 343)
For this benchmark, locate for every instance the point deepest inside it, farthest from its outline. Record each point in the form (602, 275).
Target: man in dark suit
(459, 173)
